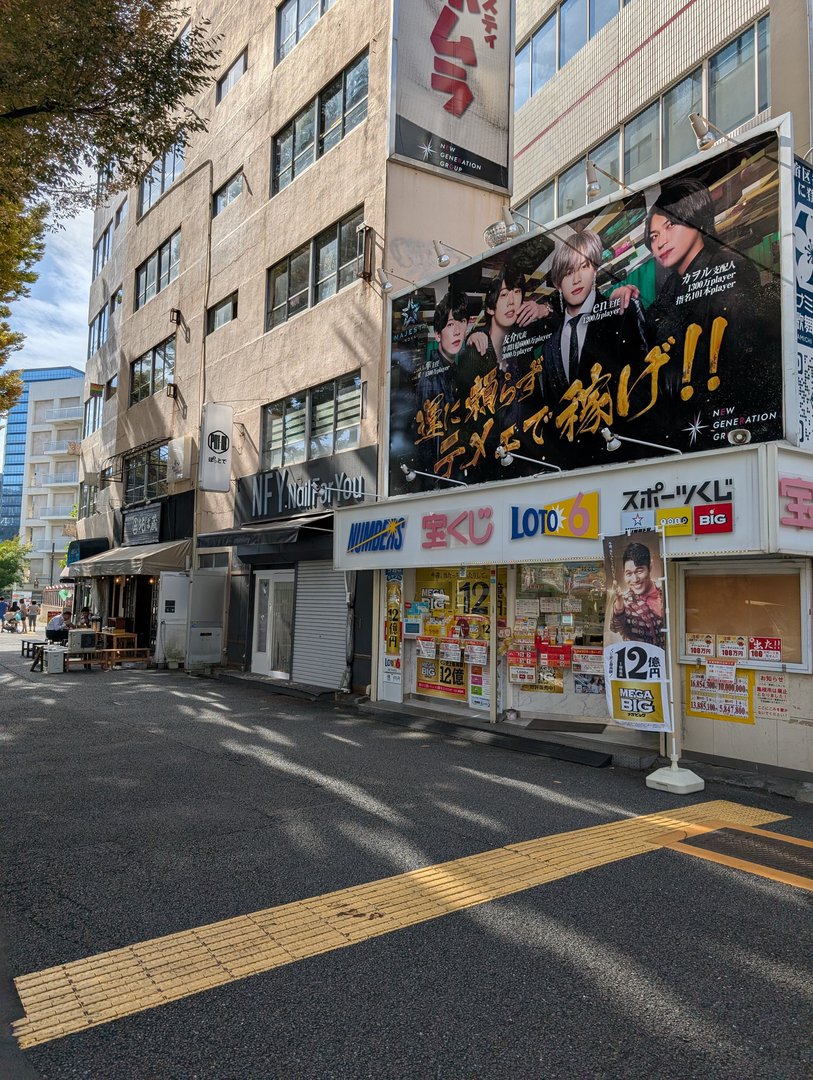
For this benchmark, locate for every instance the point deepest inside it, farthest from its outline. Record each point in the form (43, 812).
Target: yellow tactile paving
(73, 997)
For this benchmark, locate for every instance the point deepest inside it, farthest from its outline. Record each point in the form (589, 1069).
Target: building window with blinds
(317, 423)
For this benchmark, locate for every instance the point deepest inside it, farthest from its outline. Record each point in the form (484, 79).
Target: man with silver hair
(598, 335)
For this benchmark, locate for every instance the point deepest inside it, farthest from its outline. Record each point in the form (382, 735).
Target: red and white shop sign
(714, 518)
(765, 648)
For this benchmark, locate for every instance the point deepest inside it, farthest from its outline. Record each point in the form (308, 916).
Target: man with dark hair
(716, 317)
(501, 358)
(435, 385)
(637, 613)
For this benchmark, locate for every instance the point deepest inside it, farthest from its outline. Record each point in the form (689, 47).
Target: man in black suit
(585, 356)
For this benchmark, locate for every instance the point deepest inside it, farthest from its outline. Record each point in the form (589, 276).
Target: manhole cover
(768, 851)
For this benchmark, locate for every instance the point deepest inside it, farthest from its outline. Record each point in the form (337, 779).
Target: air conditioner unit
(81, 640)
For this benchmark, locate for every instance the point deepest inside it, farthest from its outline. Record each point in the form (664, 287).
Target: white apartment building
(51, 475)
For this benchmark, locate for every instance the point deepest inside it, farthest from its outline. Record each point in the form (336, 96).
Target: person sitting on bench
(58, 627)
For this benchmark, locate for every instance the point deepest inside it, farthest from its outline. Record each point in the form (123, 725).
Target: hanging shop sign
(216, 436)
(392, 624)
(341, 480)
(635, 633)
(452, 87)
(802, 246)
(142, 526)
(485, 368)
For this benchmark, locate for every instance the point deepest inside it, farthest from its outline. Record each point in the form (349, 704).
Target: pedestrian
(23, 614)
(33, 612)
(3, 607)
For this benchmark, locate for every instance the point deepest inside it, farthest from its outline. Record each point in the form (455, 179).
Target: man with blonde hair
(598, 333)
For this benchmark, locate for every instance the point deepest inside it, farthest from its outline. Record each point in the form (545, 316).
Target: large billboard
(647, 326)
(452, 87)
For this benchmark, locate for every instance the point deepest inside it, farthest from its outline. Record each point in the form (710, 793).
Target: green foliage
(95, 85)
(13, 562)
(21, 247)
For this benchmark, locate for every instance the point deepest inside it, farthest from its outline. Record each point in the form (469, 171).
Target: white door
(273, 623)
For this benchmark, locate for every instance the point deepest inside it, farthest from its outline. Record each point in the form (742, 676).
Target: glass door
(273, 623)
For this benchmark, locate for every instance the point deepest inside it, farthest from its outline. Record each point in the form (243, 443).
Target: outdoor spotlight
(408, 473)
(386, 284)
(593, 183)
(442, 256)
(702, 131)
(613, 443)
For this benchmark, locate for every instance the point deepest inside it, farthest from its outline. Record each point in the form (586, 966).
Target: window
(572, 185)
(213, 560)
(337, 257)
(317, 423)
(294, 19)
(683, 99)
(162, 267)
(145, 474)
(660, 135)
(607, 157)
(232, 76)
(522, 75)
(744, 600)
(160, 176)
(227, 194)
(323, 123)
(97, 332)
(101, 250)
(88, 493)
(601, 11)
(315, 271)
(111, 387)
(641, 145)
(121, 214)
(92, 420)
(572, 29)
(152, 371)
(116, 299)
(221, 313)
(732, 83)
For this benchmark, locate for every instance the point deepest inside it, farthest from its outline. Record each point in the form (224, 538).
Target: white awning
(139, 559)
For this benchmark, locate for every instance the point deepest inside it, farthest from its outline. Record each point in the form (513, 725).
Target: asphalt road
(137, 804)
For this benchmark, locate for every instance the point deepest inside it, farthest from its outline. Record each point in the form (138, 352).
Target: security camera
(739, 436)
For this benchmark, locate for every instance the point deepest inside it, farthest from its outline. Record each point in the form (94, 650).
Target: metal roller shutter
(320, 625)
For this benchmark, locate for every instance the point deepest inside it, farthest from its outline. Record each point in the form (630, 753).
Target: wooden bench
(29, 646)
(132, 655)
(96, 658)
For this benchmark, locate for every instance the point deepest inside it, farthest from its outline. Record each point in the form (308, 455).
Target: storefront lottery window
(566, 601)
(453, 605)
(748, 613)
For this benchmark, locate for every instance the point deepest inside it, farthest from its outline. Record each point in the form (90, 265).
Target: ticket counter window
(566, 600)
(451, 609)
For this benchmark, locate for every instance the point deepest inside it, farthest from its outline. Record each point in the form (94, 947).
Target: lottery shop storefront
(493, 599)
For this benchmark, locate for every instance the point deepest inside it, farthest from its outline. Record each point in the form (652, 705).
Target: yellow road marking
(82, 994)
(675, 843)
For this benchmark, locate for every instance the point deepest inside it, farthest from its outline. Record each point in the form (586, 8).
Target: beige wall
(790, 68)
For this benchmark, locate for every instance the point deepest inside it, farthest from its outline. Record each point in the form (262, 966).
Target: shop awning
(266, 532)
(139, 559)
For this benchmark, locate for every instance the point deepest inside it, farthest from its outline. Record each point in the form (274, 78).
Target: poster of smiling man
(655, 317)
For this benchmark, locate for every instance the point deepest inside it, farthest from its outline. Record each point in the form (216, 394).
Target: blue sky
(54, 318)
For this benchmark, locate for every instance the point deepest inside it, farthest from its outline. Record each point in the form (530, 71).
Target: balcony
(59, 511)
(57, 448)
(56, 480)
(63, 416)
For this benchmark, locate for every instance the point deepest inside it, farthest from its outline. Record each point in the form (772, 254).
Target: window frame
(297, 35)
(281, 407)
(212, 324)
(283, 267)
(312, 114)
(226, 83)
(97, 330)
(148, 362)
(162, 174)
(155, 261)
(223, 191)
(145, 460)
(733, 567)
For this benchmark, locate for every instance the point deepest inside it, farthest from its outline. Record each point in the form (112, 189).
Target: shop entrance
(273, 623)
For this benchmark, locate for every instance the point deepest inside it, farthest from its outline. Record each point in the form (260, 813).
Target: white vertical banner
(216, 434)
(452, 67)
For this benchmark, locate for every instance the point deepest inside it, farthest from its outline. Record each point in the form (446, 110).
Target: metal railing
(51, 479)
(76, 413)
